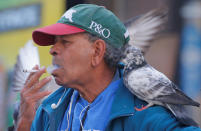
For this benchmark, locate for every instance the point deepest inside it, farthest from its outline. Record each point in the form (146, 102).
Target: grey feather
(181, 114)
(143, 29)
(153, 86)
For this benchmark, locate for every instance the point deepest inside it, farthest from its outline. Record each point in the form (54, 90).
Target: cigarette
(49, 69)
(29, 71)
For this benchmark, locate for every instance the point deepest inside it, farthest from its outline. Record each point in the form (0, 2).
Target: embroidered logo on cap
(69, 14)
(100, 29)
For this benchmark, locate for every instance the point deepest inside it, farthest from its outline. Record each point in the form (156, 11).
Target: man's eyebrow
(59, 37)
(63, 37)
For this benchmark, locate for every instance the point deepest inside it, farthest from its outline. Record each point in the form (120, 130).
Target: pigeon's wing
(27, 58)
(173, 95)
(140, 82)
(181, 114)
(151, 85)
(143, 29)
(168, 92)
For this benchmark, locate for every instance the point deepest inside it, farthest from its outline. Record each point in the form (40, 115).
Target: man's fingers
(41, 83)
(36, 67)
(31, 99)
(40, 95)
(35, 77)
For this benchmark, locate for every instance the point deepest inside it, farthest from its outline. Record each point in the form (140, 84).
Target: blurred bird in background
(27, 58)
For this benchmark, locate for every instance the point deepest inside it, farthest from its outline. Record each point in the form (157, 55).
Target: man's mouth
(51, 68)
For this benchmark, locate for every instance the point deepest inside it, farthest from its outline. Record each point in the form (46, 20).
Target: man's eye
(65, 42)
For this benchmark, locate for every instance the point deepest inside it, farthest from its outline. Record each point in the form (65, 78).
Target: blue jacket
(123, 116)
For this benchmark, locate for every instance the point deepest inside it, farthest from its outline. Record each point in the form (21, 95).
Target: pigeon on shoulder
(154, 87)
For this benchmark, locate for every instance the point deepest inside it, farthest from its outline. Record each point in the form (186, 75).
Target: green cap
(96, 20)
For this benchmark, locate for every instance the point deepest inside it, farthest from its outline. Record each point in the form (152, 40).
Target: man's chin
(58, 81)
(60, 84)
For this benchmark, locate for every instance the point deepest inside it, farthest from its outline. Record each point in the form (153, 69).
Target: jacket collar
(56, 115)
(123, 103)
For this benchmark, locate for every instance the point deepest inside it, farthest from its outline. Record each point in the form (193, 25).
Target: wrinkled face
(72, 54)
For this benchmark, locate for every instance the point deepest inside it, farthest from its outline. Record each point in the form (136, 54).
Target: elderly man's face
(72, 54)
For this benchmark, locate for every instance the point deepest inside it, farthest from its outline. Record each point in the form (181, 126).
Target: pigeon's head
(133, 55)
(133, 58)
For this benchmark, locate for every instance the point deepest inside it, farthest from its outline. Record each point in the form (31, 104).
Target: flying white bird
(27, 58)
(154, 87)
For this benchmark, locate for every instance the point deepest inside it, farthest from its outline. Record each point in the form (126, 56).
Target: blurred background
(176, 53)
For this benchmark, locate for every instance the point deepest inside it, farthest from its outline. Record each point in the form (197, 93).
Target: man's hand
(30, 95)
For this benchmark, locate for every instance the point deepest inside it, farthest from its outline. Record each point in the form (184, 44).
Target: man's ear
(99, 51)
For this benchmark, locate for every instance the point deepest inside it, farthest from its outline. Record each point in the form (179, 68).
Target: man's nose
(54, 50)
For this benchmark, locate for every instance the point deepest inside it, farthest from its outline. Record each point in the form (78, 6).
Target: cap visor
(45, 36)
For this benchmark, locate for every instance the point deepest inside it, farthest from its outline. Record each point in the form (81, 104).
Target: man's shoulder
(152, 118)
(158, 118)
(153, 113)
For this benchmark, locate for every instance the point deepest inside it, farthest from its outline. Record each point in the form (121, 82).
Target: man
(87, 44)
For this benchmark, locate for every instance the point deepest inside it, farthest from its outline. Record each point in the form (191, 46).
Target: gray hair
(112, 55)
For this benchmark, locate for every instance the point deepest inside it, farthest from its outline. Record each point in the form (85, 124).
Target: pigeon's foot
(144, 107)
(140, 109)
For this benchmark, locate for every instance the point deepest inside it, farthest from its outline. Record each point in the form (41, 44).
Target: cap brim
(45, 36)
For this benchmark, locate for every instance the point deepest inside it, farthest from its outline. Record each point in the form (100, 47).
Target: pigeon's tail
(181, 114)
(194, 103)
(188, 100)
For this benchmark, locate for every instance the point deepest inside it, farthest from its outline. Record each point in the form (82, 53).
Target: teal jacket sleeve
(158, 118)
(40, 121)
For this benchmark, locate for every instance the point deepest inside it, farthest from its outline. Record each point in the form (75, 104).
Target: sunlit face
(72, 54)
